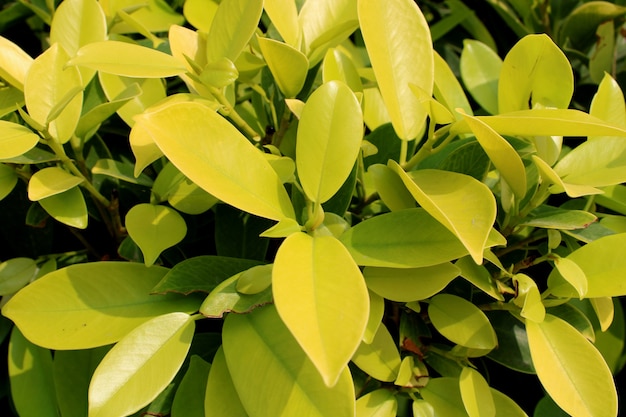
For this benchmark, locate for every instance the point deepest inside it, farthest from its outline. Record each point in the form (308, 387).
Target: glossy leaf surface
(68, 207)
(217, 157)
(380, 358)
(225, 298)
(379, 403)
(15, 139)
(315, 280)
(140, 366)
(14, 63)
(297, 387)
(399, 46)
(597, 163)
(480, 70)
(51, 181)
(96, 304)
(284, 16)
(329, 140)
(476, 394)
(288, 65)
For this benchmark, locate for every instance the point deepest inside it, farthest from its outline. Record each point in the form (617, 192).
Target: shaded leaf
(225, 298)
(14, 63)
(480, 70)
(220, 397)
(548, 217)
(379, 403)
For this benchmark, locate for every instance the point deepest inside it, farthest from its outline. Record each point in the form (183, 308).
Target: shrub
(287, 209)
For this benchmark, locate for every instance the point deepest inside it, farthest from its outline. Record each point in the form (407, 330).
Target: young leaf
(570, 368)
(217, 157)
(297, 388)
(288, 65)
(329, 140)
(220, 397)
(439, 193)
(127, 59)
(140, 365)
(68, 207)
(377, 311)
(608, 103)
(461, 322)
(154, 229)
(399, 46)
(14, 63)
(480, 70)
(476, 394)
(51, 181)
(233, 25)
(410, 284)
(30, 374)
(379, 403)
(315, 279)
(95, 304)
(254, 280)
(47, 82)
(380, 359)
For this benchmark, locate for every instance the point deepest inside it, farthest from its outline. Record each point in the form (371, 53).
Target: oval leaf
(608, 102)
(221, 398)
(288, 65)
(16, 273)
(218, 158)
(439, 193)
(476, 394)
(400, 48)
(379, 403)
(95, 304)
(571, 369)
(140, 366)
(461, 322)
(190, 394)
(297, 388)
(329, 140)
(480, 70)
(598, 163)
(313, 277)
(154, 229)
(68, 207)
(14, 63)
(15, 139)
(233, 25)
(380, 359)
(51, 181)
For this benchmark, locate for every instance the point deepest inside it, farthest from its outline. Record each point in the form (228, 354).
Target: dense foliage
(312, 208)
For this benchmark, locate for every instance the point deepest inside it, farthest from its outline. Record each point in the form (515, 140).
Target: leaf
(14, 63)
(154, 228)
(480, 70)
(201, 273)
(127, 60)
(30, 375)
(153, 16)
(225, 298)
(380, 359)
(573, 274)
(578, 28)
(409, 238)
(339, 66)
(15, 139)
(479, 276)
(528, 298)
(461, 322)
(390, 188)
(8, 180)
(216, 156)
(233, 25)
(476, 394)
(95, 304)
(379, 403)
(548, 217)
(121, 171)
(284, 17)
(48, 82)
(220, 397)
(314, 280)
(297, 387)
(288, 65)
(444, 396)
(549, 176)
(601, 262)
(535, 71)
(512, 350)
(608, 103)
(399, 46)
(439, 193)
(422, 408)
(16, 273)
(329, 140)
(447, 89)
(409, 284)
(570, 368)
(377, 311)
(51, 181)
(140, 365)
(601, 62)
(501, 153)
(255, 280)
(68, 207)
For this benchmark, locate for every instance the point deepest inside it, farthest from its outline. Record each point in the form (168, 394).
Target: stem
(230, 112)
(404, 148)
(427, 149)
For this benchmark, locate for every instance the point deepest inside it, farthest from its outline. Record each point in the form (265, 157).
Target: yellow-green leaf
(329, 140)
(571, 369)
(51, 181)
(461, 322)
(217, 157)
(439, 193)
(377, 311)
(296, 388)
(200, 13)
(476, 394)
(284, 16)
(233, 25)
(390, 188)
(15, 139)
(95, 304)
(68, 207)
(572, 274)
(501, 153)
(480, 70)
(399, 46)
(608, 103)
(380, 359)
(288, 65)
(315, 280)
(221, 398)
(15, 273)
(140, 365)
(573, 190)
(379, 403)
(447, 89)
(339, 66)
(14, 63)
(605, 311)
(154, 228)
(128, 60)
(528, 298)
(48, 82)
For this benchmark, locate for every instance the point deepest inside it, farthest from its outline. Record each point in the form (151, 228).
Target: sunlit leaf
(288, 65)
(233, 25)
(95, 304)
(339, 66)
(476, 394)
(480, 70)
(380, 359)
(8, 180)
(570, 368)
(140, 365)
(444, 396)
(573, 274)
(15, 139)
(390, 188)
(121, 171)
(314, 280)
(255, 279)
(379, 403)
(479, 276)
(421, 408)
(608, 103)
(51, 181)
(200, 13)
(221, 398)
(68, 207)
(377, 311)
(297, 387)
(375, 112)
(573, 190)
(284, 16)
(217, 157)
(528, 298)
(151, 15)
(439, 193)
(225, 298)
(447, 89)
(461, 322)
(14, 63)
(329, 140)
(556, 218)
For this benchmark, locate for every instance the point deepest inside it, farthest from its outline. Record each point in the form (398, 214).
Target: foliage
(286, 208)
